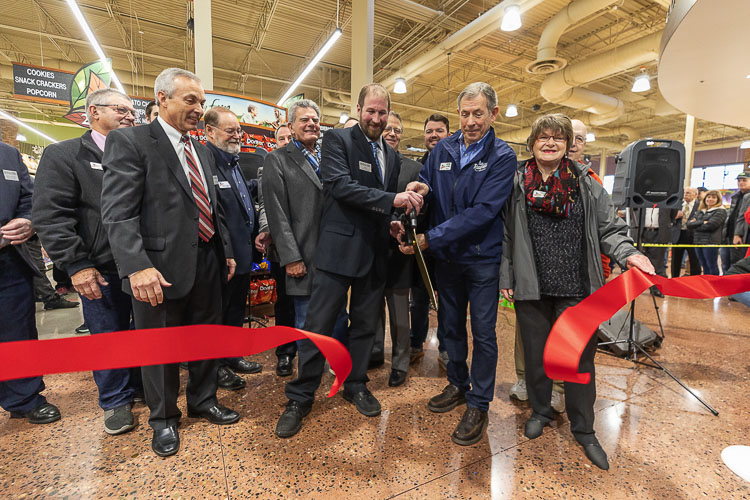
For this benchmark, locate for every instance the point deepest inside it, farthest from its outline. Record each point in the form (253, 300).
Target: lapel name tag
(10, 175)
(364, 166)
(445, 166)
(96, 166)
(224, 185)
(539, 194)
(216, 180)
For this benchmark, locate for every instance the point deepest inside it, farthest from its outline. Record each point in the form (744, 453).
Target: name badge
(479, 166)
(96, 166)
(224, 185)
(445, 166)
(10, 175)
(216, 180)
(539, 194)
(364, 166)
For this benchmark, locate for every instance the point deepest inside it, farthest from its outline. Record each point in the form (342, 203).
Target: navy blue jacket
(466, 224)
(241, 225)
(16, 191)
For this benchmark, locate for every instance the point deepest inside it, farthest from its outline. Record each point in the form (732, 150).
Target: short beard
(232, 149)
(366, 130)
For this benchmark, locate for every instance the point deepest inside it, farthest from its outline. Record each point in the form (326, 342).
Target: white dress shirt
(652, 218)
(381, 155)
(175, 137)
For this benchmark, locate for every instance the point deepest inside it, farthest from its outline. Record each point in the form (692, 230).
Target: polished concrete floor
(661, 442)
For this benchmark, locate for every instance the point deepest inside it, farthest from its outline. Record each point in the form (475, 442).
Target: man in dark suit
(681, 235)
(67, 216)
(21, 397)
(359, 173)
(224, 141)
(170, 243)
(400, 277)
(657, 228)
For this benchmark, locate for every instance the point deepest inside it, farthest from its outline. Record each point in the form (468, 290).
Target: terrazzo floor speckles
(661, 442)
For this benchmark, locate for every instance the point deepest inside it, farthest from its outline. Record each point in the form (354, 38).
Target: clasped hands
(411, 199)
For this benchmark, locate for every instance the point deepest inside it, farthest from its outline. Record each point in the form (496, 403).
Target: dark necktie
(205, 219)
(375, 147)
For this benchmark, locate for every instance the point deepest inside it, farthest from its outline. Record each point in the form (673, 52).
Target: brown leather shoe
(471, 427)
(451, 397)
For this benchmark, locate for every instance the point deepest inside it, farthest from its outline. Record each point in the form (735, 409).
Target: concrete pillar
(689, 148)
(204, 48)
(9, 131)
(363, 20)
(603, 163)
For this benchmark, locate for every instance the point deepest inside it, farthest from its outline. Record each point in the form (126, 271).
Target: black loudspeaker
(650, 173)
(618, 328)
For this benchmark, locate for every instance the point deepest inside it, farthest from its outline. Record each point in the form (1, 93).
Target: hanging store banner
(36, 83)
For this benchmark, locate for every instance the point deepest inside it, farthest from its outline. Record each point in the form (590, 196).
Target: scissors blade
(423, 270)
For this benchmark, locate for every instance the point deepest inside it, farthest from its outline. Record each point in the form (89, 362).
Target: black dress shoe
(59, 302)
(365, 402)
(376, 362)
(534, 428)
(243, 366)
(230, 380)
(397, 378)
(166, 442)
(216, 414)
(471, 427)
(451, 397)
(596, 454)
(284, 366)
(42, 414)
(290, 422)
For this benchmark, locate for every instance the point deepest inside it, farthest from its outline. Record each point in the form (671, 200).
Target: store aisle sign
(36, 83)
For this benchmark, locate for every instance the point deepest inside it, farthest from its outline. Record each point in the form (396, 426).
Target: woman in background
(707, 225)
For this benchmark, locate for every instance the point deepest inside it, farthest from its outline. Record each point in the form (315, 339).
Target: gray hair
(102, 96)
(474, 90)
(302, 103)
(165, 81)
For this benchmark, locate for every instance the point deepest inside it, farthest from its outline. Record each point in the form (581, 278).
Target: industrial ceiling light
(745, 145)
(511, 18)
(590, 137)
(641, 83)
(15, 120)
(94, 42)
(20, 137)
(325, 48)
(400, 86)
(343, 118)
(511, 111)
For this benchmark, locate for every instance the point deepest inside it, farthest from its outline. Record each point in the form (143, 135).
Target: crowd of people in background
(154, 229)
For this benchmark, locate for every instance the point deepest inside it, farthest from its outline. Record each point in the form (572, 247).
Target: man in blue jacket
(471, 174)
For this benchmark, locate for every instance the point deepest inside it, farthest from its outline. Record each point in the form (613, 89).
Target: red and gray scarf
(555, 196)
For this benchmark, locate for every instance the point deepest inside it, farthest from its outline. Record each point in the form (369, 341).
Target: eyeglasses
(232, 131)
(395, 130)
(542, 139)
(119, 109)
(579, 139)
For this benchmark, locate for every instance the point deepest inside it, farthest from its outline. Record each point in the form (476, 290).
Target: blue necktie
(375, 146)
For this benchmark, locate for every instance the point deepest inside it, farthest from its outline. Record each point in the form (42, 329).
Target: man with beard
(67, 216)
(171, 244)
(224, 141)
(360, 173)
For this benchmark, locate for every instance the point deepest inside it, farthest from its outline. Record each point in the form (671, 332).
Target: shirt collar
(378, 141)
(174, 135)
(98, 138)
(476, 145)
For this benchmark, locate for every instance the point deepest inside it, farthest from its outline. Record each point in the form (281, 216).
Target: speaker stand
(634, 346)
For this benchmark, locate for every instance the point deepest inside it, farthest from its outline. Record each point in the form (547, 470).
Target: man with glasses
(225, 141)
(67, 216)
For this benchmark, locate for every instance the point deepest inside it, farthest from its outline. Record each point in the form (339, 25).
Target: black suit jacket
(401, 268)
(357, 206)
(241, 224)
(149, 211)
(15, 194)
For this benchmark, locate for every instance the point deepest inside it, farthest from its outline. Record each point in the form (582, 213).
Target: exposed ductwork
(547, 60)
(562, 87)
(479, 27)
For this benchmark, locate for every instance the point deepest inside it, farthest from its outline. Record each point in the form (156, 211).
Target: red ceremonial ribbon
(575, 326)
(158, 346)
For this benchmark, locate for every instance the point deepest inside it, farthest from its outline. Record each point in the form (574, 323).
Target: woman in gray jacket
(708, 225)
(559, 222)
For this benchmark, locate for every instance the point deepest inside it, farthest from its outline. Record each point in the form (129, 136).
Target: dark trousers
(536, 318)
(202, 305)
(328, 298)
(419, 310)
(709, 258)
(18, 322)
(111, 313)
(61, 277)
(655, 254)
(283, 309)
(686, 238)
(460, 285)
(234, 302)
(42, 287)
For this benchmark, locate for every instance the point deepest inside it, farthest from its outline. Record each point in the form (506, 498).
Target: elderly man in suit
(67, 216)
(21, 397)
(161, 212)
(684, 236)
(360, 174)
(224, 141)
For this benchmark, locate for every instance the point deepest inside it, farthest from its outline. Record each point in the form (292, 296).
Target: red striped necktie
(205, 219)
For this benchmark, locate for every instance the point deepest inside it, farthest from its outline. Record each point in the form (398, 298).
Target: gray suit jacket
(401, 268)
(293, 199)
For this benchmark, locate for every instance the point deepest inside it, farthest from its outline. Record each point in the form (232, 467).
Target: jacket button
(194, 244)
(247, 222)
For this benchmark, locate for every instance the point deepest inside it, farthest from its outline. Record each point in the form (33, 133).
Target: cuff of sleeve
(80, 265)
